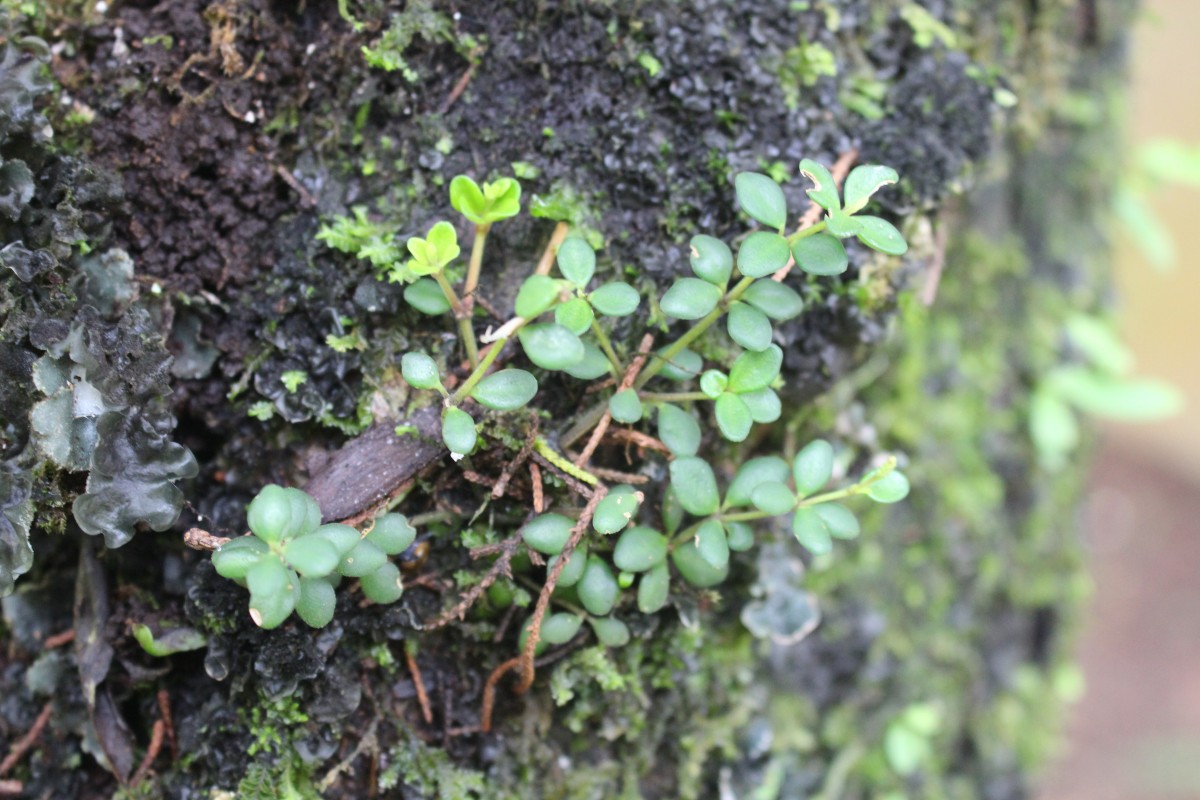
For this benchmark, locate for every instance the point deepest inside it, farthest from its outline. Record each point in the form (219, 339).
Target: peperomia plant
(614, 540)
(291, 562)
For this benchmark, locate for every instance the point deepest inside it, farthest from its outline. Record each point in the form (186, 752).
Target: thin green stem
(806, 232)
(477, 374)
(475, 266)
(465, 331)
(606, 346)
(672, 397)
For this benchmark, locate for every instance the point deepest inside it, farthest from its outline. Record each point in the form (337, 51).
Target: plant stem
(476, 264)
(477, 375)
(463, 314)
(547, 452)
(672, 397)
(607, 347)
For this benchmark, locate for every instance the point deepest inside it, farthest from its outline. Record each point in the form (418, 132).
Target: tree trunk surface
(164, 275)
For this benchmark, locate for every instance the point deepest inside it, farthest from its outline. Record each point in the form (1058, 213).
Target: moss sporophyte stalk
(618, 542)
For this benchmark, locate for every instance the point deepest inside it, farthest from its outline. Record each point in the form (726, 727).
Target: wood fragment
(535, 477)
(461, 85)
(11, 788)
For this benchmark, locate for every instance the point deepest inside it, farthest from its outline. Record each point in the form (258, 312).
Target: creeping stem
(477, 374)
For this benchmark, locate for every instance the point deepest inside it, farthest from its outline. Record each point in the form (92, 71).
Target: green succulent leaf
(841, 224)
(824, 191)
(653, 589)
(741, 536)
(427, 297)
(810, 530)
(271, 610)
(617, 510)
(593, 365)
(547, 533)
(690, 298)
(458, 431)
(236, 557)
(560, 628)
(311, 556)
(506, 390)
(813, 467)
(392, 534)
(269, 514)
(615, 299)
(577, 261)
(711, 260)
(764, 405)
(773, 497)
(820, 254)
(420, 371)
(712, 544)
(268, 576)
(751, 475)
(695, 485)
(575, 315)
(536, 295)
(467, 199)
(752, 371)
(342, 537)
(778, 301)
(573, 570)
(891, 488)
(610, 632)
(639, 549)
(679, 430)
(306, 514)
(683, 366)
(839, 520)
(431, 254)
(761, 198)
(733, 417)
(317, 602)
(749, 327)
(503, 199)
(763, 253)
(625, 406)
(695, 569)
(713, 383)
(881, 235)
(864, 181)
(383, 585)
(598, 589)
(551, 346)
(672, 511)
(363, 559)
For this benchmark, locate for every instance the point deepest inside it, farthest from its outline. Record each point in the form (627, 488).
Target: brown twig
(11, 788)
(59, 639)
(497, 569)
(937, 263)
(630, 436)
(156, 742)
(617, 476)
(489, 692)
(535, 477)
(543, 603)
(164, 708)
(812, 214)
(422, 695)
(461, 86)
(27, 741)
(198, 539)
(631, 374)
(551, 251)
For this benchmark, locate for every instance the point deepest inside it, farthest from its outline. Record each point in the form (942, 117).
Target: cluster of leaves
(291, 562)
(563, 324)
